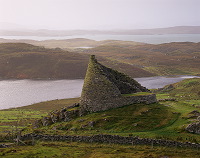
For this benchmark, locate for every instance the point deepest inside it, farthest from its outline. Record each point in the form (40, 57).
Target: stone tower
(103, 89)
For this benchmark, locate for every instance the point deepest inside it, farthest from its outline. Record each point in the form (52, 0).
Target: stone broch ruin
(105, 88)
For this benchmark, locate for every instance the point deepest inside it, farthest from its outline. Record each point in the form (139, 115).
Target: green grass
(137, 94)
(17, 118)
(188, 89)
(94, 150)
(188, 99)
(48, 106)
(165, 120)
(22, 117)
(122, 121)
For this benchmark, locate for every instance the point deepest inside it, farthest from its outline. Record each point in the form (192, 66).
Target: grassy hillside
(20, 117)
(128, 119)
(188, 89)
(178, 58)
(20, 60)
(137, 117)
(165, 120)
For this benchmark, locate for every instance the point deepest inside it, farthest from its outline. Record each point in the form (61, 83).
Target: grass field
(21, 117)
(165, 120)
(117, 121)
(94, 150)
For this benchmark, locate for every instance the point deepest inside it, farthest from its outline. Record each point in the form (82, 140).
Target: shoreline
(55, 89)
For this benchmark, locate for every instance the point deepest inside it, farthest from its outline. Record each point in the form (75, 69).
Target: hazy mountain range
(20, 31)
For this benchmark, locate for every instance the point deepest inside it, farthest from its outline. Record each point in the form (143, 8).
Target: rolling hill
(177, 58)
(26, 61)
(9, 30)
(71, 44)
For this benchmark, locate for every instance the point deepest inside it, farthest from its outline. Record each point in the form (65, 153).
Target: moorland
(133, 58)
(26, 61)
(177, 58)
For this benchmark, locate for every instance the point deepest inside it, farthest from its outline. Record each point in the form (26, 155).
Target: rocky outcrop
(46, 121)
(193, 128)
(4, 146)
(166, 88)
(70, 115)
(65, 114)
(103, 89)
(195, 113)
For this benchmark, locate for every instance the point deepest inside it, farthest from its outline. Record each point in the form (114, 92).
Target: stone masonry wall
(115, 139)
(103, 89)
(115, 102)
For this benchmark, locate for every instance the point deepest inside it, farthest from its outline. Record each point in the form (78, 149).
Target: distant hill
(43, 32)
(169, 30)
(177, 58)
(26, 61)
(71, 44)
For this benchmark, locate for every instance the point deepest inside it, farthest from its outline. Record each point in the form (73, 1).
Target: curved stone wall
(115, 102)
(103, 89)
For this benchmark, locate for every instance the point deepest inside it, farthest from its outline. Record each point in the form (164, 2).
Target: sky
(98, 14)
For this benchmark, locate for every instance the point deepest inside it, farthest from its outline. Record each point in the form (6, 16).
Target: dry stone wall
(115, 102)
(103, 89)
(115, 139)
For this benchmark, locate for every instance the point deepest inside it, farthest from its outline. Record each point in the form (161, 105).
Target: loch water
(17, 93)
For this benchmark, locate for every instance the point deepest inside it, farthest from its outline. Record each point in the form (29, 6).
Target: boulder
(193, 128)
(46, 121)
(69, 115)
(195, 112)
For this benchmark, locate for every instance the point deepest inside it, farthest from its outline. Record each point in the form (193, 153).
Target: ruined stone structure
(105, 88)
(194, 127)
(65, 114)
